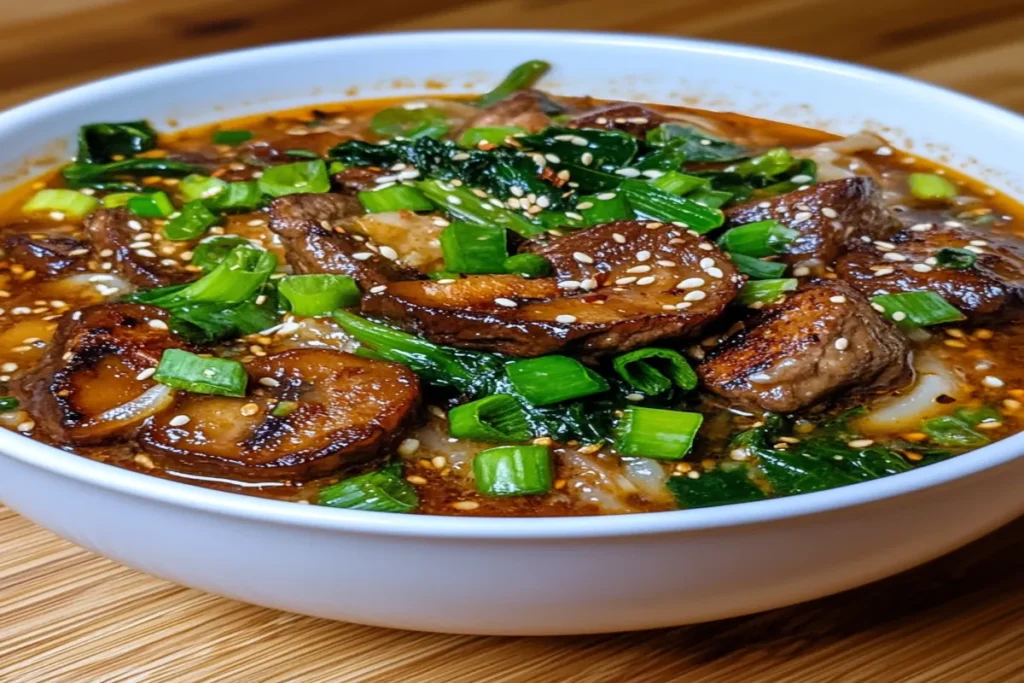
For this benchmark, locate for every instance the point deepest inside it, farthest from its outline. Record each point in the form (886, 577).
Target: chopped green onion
(656, 433)
(552, 379)
(765, 291)
(496, 418)
(380, 491)
(528, 265)
(472, 248)
(184, 370)
(654, 371)
(513, 471)
(195, 186)
(210, 252)
(284, 408)
(711, 198)
(116, 199)
(756, 268)
(669, 157)
(8, 403)
(606, 207)
(651, 202)
(410, 123)
(320, 294)
(697, 145)
(68, 202)
(152, 205)
(242, 272)
(771, 163)
(951, 430)
(395, 198)
(582, 147)
(931, 187)
(917, 308)
(239, 196)
(231, 137)
(678, 183)
(443, 275)
(520, 78)
(193, 220)
(495, 135)
(764, 238)
(301, 154)
(560, 220)
(302, 176)
(462, 204)
(952, 258)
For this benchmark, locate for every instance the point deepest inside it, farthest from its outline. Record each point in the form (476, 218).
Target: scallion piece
(770, 164)
(656, 433)
(462, 204)
(472, 248)
(678, 183)
(952, 258)
(497, 418)
(238, 196)
(651, 202)
(380, 491)
(711, 198)
(756, 268)
(320, 294)
(151, 205)
(521, 77)
(653, 371)
(764, 238)
(410, 123)
(231, 137)
(242, 272)
(552, 379)
(443, 275)
(395, 198)
(116, 199)
(759, 292)
(513, 471)
(284, 408)
(528, 265)
(211, 251)
(193, 220)
(71, 203)
(494, 135)
(917, 308)
(302, 176)
(184, 370)
(8, 403)
(606, 207)
(931, 187)
(195, 186)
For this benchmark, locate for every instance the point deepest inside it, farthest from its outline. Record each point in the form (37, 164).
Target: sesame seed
(683, 305)
(652, 173)
(838, 299)
(134, 225)
(627, 172)
(249, 409)
(179, 420)
(580, 257)
(884, 271)
(634, 397)
(884, 246)
(691, 283)
(695, 295)
(157, 324)
(378, 289)
(445, 281)
(884, 151)
(993, 382)
(565, 318)
(269, 382)
(145, 374)
(388, 253)
(619, 237)
(507, 303)
(605, 196)
(860, 443)
(759, 377)
(920, 227)
(643, 255)
(362, 255)
(516, 191)
(842, 343)
(26, 426)
(466, 505)
(625, 280)
(706, 246)
(649, 280)
(9, 367)
(639, 269)
(899, 315)
(801, 216)
(553, 158)
(715, 273)
(802, 178)
(588, 284)
(893, 256)
(665, 263)
(801, 271)
(583, 206)
(573, 215)
(979, 243)
(146, 253)
(586, 158)
(569, 284)
(921, 267)
(972, 248)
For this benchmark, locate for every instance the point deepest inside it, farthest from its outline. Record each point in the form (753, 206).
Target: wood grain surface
(67, 615)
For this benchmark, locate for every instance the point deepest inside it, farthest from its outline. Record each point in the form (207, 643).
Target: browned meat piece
(820, 340)
(992, 290)
(526, 109)
(113, 231)
(354, 180)
(829, 216)
(634, 119)
(347, 412)
(93, 386)
(47, 251)
(315, 239)
(274, 150)
(617, 286)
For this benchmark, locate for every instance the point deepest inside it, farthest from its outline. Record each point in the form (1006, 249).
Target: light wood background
(66, 615)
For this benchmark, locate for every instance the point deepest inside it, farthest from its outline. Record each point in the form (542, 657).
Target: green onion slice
(756, 268)
(151, 205)
(494, 135)
(193, 220)
(231, 137)
(242, 272)
(917, 308)
(656, 433)
(552, 379)
(211, 251)
(757, 292)
(528, 265)
(195, 186)
(654, 371)
(463, 205)
(472, 248)
(8, 403)
(764, 238)
(520, 78)
(604, 207)
(302, 176)
(380, 491)
(184, 370)
(952, 258)
(499, 417)
(678, 183)
(320, 294)
(117, 199)
(71, 203)
(931, 187)
(513, 471)
(395, 198)
(410, 123)
(651, 202)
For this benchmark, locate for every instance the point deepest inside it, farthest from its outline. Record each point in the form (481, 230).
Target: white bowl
(525, 576)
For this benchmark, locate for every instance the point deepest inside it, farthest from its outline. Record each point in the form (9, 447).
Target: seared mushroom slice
(989, 291)
(315, 239)
(820, 340)
(49, 252)
(528, 109)
(114, 234)
(94, 385)
(617, 286)
(829, 217)
(309, 413)
(634, 119)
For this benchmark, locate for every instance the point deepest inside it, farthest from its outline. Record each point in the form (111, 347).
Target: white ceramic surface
(530, 576)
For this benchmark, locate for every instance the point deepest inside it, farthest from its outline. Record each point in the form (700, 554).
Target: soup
(512, 305)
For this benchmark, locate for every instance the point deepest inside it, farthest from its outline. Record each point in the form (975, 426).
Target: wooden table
(66, 615)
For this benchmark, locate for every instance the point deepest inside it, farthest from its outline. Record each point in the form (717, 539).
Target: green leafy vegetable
(380, 491)
(917, 308)
(184, 370)
(654, 371)
(470, 248)
(499, 418)
(97, 175)
(651, 202)
(410, 123)
(193, 220)
(727, 484)
(698, 146)
(656, 433)
(520, 78)
(319, 294)
(952, 258)
(210, 252)
(231, 137)
(68, 202)
(302, 176)
(99, 143)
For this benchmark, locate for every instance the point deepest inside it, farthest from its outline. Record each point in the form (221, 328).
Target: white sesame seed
(639, 269)
(452, 199)
(625, 281)
(565, 318)
(759, 377)
(898, 316)
(634, 397)
(932, 261)
(377, 289)
(893, 256)
(878, 307)
(920, 227)
(715, 273)
(26, 426)
(619, 237)
(588, 284)
(507, 303)
(627, 172)
(157, 324)
(134, 225)
(648, 280)
(179, 420)
(838, 299)
(884, 271)
(801, 178)
(9, 367)
(553, 158)
(605, 196)
(573, 215)
(583, 206)
(362, 255)
(884, 246)
(145, 374)
(842, 343)
(249, 409)
(976, 250)
(652, 173)
(388, 253)
(586, 158)
(682, 305)
(801, 216)
(580, 257)
(569, 284)
(643, 255)
(691, 283)
(146, 253)
(408, 447)
(993, 382)
(921, 267)
(695, 295)
(269, 382)
(801, 271)
(884, 151)
(665, 263)
(706, 246)
(860, 443)
(979, 243)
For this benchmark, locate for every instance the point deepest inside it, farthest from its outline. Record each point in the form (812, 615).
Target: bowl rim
(157, 490)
